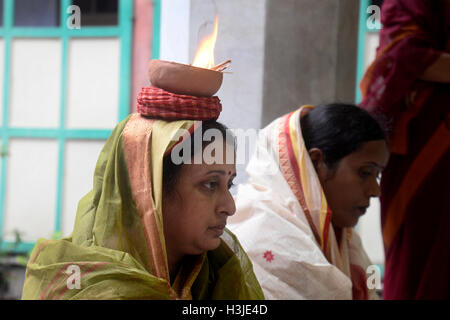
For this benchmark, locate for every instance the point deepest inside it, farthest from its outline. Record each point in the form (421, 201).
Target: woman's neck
(338, 233)
(174, 262)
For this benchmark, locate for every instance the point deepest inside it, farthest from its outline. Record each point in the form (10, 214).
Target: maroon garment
(418, 256)
(415, 188)
(416, 27)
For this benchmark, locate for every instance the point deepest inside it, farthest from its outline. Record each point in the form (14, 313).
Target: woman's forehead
(201, 170)
(216, 152)
(371, 153)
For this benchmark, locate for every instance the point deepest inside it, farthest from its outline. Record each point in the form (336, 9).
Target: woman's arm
(439, 71)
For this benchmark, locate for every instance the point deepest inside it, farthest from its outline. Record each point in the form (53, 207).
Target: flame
(204, 58)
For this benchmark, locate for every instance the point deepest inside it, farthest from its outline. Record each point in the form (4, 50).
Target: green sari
(117, 247)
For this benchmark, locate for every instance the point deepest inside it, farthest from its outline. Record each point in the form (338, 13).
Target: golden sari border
(137, 147)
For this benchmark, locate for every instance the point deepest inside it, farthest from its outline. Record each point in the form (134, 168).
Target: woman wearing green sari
(150, 228)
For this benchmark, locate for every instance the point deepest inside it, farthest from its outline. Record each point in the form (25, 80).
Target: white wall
(174, 37)
(30, 198)
(93, 83)
(35, 83)
(80, 160)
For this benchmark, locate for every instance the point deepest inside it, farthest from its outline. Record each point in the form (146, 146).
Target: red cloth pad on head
(158, 103)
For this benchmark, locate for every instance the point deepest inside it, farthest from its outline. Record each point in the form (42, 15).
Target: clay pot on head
(183, 79)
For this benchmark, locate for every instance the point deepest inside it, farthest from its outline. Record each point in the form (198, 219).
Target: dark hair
(172, 170)
(338, 130)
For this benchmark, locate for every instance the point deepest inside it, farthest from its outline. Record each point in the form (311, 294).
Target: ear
(317, 159)
(316, 156)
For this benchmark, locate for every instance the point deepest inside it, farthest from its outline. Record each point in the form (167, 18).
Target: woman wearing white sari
(310, 179)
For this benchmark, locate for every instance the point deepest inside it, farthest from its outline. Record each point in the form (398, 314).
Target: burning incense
(222, 66)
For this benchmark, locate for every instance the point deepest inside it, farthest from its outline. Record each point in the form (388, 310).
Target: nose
(226, 204)
(374, 189)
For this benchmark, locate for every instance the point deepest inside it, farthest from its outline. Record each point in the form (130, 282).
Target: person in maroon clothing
(408, 85)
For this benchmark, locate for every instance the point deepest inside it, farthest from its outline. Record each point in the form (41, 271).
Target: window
(53, 122)
(36, 13)
(98, 12)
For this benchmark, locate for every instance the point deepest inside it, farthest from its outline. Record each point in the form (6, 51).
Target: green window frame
(122, 31)
(363, 30)
(156, 34)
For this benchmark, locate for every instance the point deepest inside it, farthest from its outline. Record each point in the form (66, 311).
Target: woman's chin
(348, 223)
(353, 222)
(212, 244)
